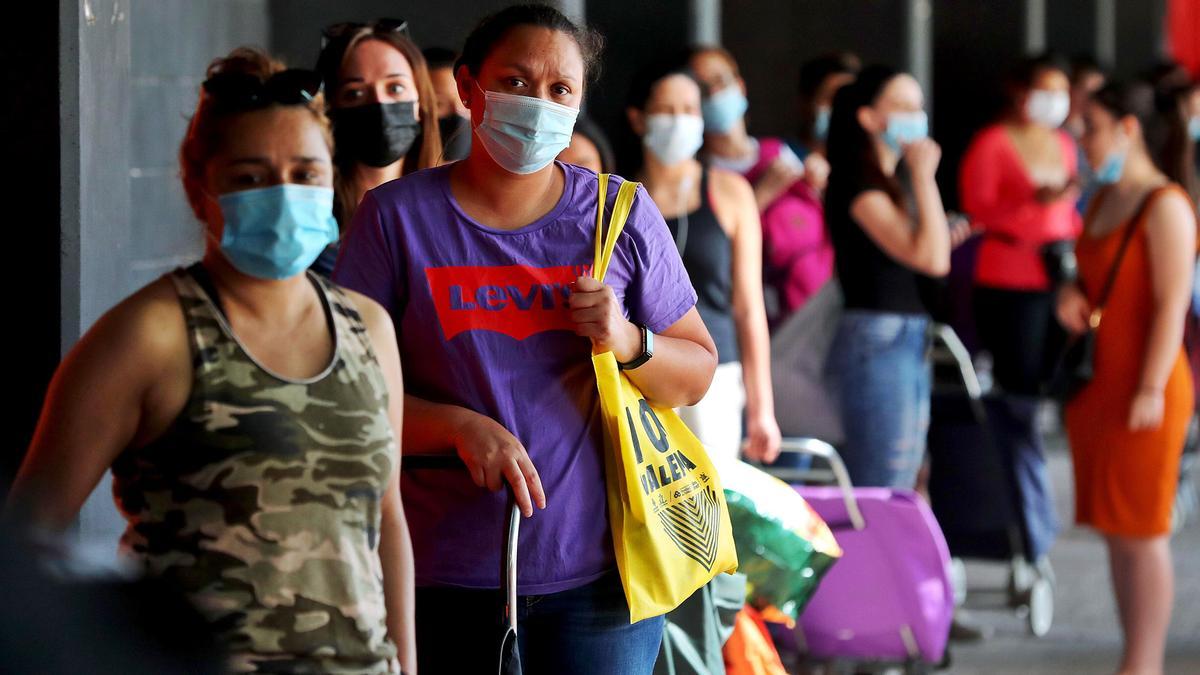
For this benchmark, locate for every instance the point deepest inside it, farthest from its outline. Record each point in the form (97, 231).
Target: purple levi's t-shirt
(482, 322)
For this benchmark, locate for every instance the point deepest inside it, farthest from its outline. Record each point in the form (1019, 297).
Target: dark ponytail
(853, 159)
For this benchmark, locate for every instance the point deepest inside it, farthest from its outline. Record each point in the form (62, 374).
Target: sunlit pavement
(1085, 636)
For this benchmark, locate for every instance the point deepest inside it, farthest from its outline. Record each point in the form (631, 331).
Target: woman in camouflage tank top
(249, 411)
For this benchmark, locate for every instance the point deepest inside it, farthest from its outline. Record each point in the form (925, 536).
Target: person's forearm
(430, 427)
(678, 375)
(396, 559)
(755, 341)
(766, 192)
(1162, 346)
(933, 232)
(1005, 218)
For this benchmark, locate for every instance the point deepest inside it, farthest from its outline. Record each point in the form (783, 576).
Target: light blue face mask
(1194, 128)
(1111, 169)
(277, 232)
(523, 134)
(904, 128)
(723, 109)
(821, 124)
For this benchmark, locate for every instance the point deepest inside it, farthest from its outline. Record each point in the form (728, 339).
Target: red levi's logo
(515, 300)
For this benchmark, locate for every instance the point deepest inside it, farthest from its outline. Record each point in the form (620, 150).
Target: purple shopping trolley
(888, 601)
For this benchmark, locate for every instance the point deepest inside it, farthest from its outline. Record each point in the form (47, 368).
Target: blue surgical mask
(673, 138)
(523, 134)
(1111, 168)
(1194, 128)
(277, 232)
(723, 109)
(904, 128)
(821, 123)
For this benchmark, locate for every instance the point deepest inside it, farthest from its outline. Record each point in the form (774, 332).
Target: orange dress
(1125, 481)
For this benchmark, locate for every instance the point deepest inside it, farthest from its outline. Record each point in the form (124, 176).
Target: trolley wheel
(958, 580)
(1041, 607)
(1046, 570)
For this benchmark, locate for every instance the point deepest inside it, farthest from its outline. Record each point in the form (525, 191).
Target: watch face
(648, 342)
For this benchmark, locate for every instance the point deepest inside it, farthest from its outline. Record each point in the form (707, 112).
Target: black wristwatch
(647, 351)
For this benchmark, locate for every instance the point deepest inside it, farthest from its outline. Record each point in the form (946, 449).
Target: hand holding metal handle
(962, 358)
(509, 561)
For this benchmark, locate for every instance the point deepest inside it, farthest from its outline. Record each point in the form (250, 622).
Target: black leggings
(1020, 331)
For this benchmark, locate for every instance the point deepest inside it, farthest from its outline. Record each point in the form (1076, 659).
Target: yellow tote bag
(669, 521)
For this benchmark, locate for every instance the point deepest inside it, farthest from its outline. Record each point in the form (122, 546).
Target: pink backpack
(797, 253)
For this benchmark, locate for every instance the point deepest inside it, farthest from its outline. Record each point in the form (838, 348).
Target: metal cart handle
(509, 571)
(962, 358)
(817, 448)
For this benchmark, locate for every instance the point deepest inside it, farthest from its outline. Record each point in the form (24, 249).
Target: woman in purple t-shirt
(484, 266)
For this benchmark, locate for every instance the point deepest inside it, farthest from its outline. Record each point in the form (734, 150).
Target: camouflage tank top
(262, 501)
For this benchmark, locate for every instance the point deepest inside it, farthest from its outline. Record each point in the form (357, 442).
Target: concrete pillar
(576, 10)
(704, 22)
(1106, 32)
(919, 45)
(1035, 26)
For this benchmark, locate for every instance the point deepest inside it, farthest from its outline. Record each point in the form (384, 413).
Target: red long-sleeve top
(999, 195)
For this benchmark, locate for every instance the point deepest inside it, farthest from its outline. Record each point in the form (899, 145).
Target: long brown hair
(424, 154)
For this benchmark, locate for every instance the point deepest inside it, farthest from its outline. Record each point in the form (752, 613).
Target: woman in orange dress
(1127, 426)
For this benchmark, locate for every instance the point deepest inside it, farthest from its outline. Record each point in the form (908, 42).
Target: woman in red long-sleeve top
(1017, 184)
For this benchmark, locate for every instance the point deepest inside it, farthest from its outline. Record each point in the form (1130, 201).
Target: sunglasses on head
(339, 31)
(234, 92)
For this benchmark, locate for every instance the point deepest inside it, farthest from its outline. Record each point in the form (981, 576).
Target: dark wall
(1139, 35)
(974, 42)
(771, 38)
(1071, 27)
(296, 24)
(636, 34)
(31, 107)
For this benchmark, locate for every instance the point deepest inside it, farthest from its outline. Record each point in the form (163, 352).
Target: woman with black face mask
(383, 109)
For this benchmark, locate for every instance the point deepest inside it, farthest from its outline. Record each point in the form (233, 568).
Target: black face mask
(377, 134)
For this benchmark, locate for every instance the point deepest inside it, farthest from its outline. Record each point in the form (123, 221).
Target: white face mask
(673, 138)
(1048, 108)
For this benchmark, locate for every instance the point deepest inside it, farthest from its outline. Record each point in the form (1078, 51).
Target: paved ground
(1085, 637)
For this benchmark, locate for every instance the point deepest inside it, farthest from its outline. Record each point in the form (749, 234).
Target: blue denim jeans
(584, 630)
(878, 364)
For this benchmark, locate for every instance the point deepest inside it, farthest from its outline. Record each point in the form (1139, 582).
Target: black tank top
(870, 278)
(707, 254)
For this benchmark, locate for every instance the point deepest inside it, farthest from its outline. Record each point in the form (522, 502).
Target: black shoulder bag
(1076, 365)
